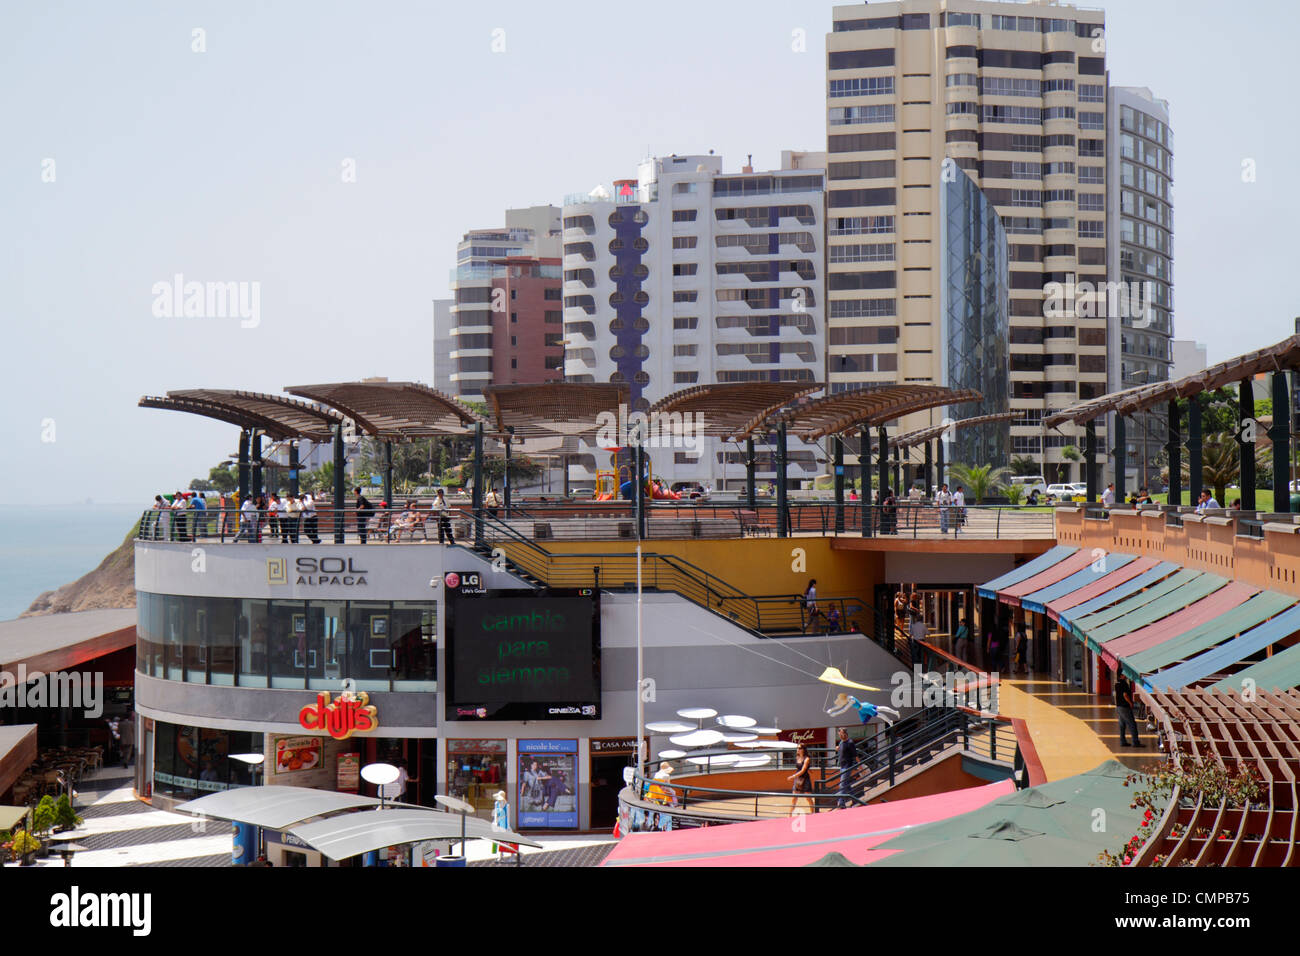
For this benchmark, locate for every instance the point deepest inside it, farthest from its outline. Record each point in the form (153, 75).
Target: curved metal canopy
(393, 410)
(352, 834)
(923, 435)
(724, 409)
(553, 408)
(861, 408)
(279, 417)
(1284, 356)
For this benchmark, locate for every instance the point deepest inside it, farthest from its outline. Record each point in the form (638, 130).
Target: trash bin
(450, 861)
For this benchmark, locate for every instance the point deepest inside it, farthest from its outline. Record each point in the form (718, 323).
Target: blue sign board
(376, 479)
(548, 784)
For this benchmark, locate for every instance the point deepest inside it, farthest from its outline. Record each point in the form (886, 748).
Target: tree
(1220, 464)
(980, 481)
(1023, 465)
(221, 478)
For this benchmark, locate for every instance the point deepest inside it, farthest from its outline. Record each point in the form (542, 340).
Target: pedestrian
(958, 510)
(273, 517)
(248, 520)
(156, 530)
(832, 620)
(802, 778)
(889, 513)
(114, 739)
(917, 630)
(492, 502)
(126, 735)
(199, 505)
(397, 789)
(179, 531)
(961, 641)
(365, 511)
(810, 605)
(847, 755)
(1108, 496)
(309, 518)
(442, 511)
(501, 821)
(1124, 710)
(1021, 649)
(292, 517)
(944, 500)
(993, 649)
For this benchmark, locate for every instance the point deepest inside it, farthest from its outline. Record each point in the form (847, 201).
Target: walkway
(120, 830)
(1072, 730)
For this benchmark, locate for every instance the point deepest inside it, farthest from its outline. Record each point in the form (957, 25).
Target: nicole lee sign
(350, 714)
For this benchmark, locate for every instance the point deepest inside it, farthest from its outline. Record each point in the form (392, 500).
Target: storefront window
(369, 656)
(192, 761)
(290, 655)
(222, 640)
(251, 631)
(548, 783)
(476, 769)
(413, 643)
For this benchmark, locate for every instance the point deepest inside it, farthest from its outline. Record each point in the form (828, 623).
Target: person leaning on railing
(659, 791)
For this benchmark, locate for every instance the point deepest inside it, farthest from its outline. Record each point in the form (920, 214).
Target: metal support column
(510, 438)
(243, 464)
(1173, 448)
(939, 456)
(1090, 458)
(882, 464)
(339, 504)
(476, 502)
(864, 470)
(837, 465)
(1195, 466)
(1121, 459)
(782, 501)
(1281, 435)
(256, 454)
(750, 465)
(388, 474)
(638, 489)
(929, 466)
(293, 467)
(1246, 437)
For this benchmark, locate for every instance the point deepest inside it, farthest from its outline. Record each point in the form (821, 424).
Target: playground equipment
(620, 477)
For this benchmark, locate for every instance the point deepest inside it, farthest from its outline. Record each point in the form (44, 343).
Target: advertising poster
(349, 773)
(548, 784)
(297, 754)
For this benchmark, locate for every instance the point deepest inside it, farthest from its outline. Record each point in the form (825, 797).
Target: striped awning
(1106, 583)
(1189, 644)
(1045, 579)
(1218, 659)
(1026, 571)
(1214, 605)
(1173, 601)
(1147, 578)
(1083, 624)
(1096, 570)
(1277, 673)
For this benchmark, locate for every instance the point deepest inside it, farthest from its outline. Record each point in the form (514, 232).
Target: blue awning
(1037, 602)
(1025, 571)
(1160, 571)
(1225, 655)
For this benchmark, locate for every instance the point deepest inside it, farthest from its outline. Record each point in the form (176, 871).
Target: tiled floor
(1072, 730)
(119, 830)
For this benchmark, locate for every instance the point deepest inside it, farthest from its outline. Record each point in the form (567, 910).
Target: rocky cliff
(110, 585)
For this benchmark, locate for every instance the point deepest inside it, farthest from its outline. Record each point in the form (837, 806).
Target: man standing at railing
(1124, 710)
(847, 756)
(944, 500)
(958, 510)
(365, 511)
(309, 518)
(441, 511)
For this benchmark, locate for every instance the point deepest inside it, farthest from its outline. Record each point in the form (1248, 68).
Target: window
(1011, 142)
(684, 215)
(869, 252)
(847, 115)
(1022, 225)
(1058, 195)
(916, 21)
(1058, 112)
(961, 51)
(685, 296)
(863, 308)
(961, 19)
(685, 322)
(859, 142)
(685, 378)
(860, 335)
(1093, 65)
(841, 281)
(872, 169)
(863, 86)
(1092, 92)
(1058, 86)
(841, 198)
(1092, 202)
(685, 351)
(684, 242)
(997, 113)
(1026, 197)
(1056, 169)
(962, 106)
(685, 268)
(963, 79)
(861, 59)
(1092, 175)
(1092, 120)
(1092, 229)
(860, 225)
(683, 189)
(1095, 148)
(1009, 86)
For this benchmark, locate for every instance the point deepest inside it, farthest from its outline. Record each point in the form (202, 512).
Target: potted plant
(65, 818)
(24, 847)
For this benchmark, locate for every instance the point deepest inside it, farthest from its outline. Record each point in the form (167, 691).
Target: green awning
(1153, 611)
(1255, 611)
(1279, 672)
(1090, 622)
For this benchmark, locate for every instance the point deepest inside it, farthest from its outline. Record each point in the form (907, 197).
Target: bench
(750, 525)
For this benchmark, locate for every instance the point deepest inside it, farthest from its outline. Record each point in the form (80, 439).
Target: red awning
(1057, 572)
(1194, 615)
(853, 833)
(1100, 586)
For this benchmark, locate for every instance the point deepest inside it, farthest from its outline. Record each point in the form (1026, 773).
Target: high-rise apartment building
(1140, 230)
(687, 275)
(444, 366)
(1012, 95)
(507, 325)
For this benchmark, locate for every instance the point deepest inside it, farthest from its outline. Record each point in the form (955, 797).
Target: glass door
(326, 645)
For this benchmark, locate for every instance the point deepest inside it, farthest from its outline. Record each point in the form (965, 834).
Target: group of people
(818, 621)
(951, 506)
(909, 618)
(284, 516)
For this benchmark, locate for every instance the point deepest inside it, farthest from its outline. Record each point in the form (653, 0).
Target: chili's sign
(351, 714)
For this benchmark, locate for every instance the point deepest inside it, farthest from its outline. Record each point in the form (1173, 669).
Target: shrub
(64, 816)
(24, 843)
(43, 817)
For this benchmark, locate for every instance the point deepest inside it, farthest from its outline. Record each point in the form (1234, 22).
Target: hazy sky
(229, 165)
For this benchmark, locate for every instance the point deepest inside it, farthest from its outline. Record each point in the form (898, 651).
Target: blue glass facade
(974, 304)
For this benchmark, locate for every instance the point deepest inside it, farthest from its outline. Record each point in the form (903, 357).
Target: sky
(333, 154)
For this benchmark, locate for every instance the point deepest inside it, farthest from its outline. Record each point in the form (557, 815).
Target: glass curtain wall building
(973, 304)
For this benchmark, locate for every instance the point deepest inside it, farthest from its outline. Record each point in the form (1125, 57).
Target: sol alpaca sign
(350, 714)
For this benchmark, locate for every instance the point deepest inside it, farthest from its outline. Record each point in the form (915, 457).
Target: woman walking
(802, 778)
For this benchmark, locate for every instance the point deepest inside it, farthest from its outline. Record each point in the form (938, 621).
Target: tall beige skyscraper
(1013, 96)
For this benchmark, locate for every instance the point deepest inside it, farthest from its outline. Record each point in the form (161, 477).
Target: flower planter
(29, 859)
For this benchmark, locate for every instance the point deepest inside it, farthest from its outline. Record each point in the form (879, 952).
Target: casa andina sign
(351, 713)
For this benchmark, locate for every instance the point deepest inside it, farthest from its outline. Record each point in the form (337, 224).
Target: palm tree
(1220, 464)
(980, 481)
(1023, 465)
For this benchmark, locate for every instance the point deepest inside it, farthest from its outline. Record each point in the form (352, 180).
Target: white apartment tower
(1012, 95)
(687, 275)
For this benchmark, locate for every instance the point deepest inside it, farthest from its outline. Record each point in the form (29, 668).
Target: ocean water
(43, 547)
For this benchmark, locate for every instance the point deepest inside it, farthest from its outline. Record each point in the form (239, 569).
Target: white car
(1030, 483)
(1065, 492)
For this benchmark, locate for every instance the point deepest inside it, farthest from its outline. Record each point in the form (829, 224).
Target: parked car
(690, 489)
(1030, 483)
(1066, 492)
